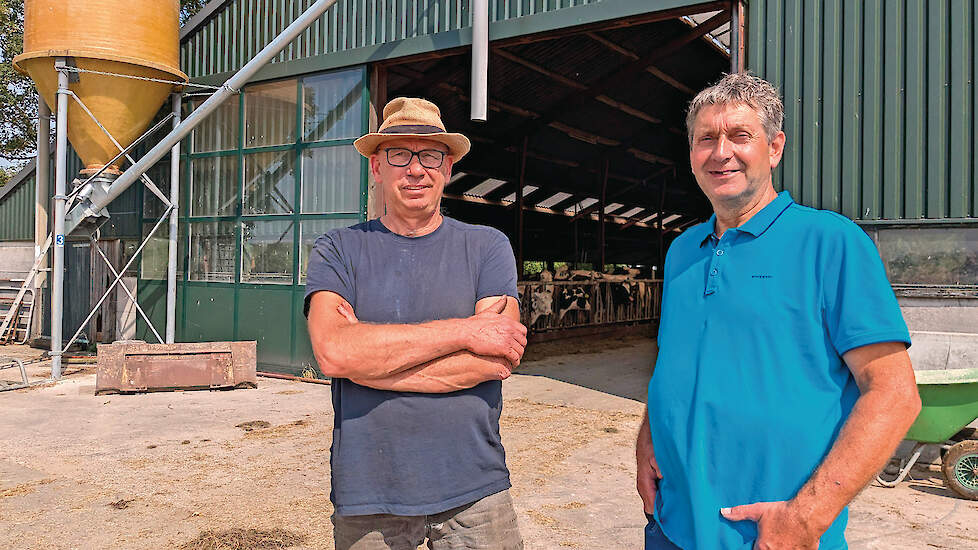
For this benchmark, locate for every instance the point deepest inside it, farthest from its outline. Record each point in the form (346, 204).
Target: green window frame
(211, 306)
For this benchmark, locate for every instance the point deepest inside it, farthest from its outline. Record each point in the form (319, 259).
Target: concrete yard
(174, 470)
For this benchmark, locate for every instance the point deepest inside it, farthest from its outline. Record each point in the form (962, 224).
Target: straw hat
(412, 117)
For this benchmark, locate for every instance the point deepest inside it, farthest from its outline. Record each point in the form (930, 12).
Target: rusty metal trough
(135, 366)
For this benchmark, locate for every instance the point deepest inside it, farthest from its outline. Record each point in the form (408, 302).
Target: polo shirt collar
(758, 224)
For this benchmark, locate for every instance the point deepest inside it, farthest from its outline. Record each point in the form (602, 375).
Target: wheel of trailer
(960, 468)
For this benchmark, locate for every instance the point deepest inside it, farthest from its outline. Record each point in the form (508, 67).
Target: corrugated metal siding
(17, 208)
(17, 213)
(880, 103)
(243, 27)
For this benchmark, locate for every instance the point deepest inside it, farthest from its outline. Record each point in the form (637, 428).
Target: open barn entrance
(583, 160)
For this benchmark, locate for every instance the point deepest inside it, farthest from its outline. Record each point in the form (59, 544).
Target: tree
(18, 99)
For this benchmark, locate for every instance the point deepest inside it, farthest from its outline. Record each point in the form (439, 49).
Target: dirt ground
(250, 468)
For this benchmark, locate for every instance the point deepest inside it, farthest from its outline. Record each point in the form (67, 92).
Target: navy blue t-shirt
(410, 453)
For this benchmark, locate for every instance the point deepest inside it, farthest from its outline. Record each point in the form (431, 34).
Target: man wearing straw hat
(414, 316)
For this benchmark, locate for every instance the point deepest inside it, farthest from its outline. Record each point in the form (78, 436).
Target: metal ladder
(20, 324)
(12, 320)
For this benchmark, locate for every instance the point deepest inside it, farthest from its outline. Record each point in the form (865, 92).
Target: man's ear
(375, 167)
(776, 149)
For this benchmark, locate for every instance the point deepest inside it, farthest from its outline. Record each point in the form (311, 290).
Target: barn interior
(584, 156)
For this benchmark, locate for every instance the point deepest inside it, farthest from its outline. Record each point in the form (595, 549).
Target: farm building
(582, 160)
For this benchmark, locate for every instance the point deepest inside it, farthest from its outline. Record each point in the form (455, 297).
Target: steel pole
(42, 202)
(171, 266)
(480, 60)
(231, 87)
(60, 184)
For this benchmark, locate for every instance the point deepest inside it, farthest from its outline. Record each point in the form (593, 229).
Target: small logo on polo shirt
(762, 276)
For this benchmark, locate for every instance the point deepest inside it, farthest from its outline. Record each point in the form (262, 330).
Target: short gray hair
(733, 88)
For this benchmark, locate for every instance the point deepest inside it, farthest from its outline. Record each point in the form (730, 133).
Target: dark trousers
(655, 539)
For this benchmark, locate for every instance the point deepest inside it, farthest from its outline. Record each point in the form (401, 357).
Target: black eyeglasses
(429, 158)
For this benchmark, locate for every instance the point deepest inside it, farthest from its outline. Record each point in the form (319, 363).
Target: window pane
(939, 256)
(219, 130)
(155, 254)
(266, 252)
(269, 185)
(212, 251)
(332, 106)
(310, 231)
(213, 186)
(331, 180)
(270, 113)
(153, 207)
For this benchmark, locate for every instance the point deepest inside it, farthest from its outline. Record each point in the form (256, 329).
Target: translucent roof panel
(485, 187)
(670, 219)
(650, 218)
(527, 189)
(581, 205)
(612, 207)
(554, 199)
(631, 212)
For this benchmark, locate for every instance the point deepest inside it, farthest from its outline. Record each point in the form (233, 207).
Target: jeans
(655, 539)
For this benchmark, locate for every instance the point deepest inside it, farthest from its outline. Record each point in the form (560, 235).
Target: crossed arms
(433, 357)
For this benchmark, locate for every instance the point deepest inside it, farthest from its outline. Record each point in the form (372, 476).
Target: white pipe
(231, 87)
(42, 192)
(60, 184)
(171, 266)
(480, 60)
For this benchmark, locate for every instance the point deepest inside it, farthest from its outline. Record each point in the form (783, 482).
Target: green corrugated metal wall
(17, 208)
(880, 103)
(17, 213)
(242, 28)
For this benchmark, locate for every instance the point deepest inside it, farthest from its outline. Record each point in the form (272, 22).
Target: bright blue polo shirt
(750, 389)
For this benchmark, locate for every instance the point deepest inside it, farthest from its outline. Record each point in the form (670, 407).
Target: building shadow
(618, 366)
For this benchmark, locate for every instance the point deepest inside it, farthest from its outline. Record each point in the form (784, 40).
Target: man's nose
(414, 167)
(722, 150)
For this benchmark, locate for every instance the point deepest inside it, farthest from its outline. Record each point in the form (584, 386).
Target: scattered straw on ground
(244, 539)
(282, 430)
(254, 425)
(23, 488)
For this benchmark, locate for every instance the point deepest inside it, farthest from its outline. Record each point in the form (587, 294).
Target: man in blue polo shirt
(782, 383)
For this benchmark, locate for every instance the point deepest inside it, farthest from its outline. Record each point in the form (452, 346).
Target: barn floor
(175, 470)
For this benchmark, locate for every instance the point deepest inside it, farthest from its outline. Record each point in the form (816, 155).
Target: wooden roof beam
(651, 69)
(606, 84)
(609, 218)
(554, 160)
(571, 83)
(575, 133)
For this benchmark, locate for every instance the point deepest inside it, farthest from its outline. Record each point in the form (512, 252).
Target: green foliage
(188, 8)
(18, 100)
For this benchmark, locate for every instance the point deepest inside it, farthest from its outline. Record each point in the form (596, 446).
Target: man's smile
(722, 173)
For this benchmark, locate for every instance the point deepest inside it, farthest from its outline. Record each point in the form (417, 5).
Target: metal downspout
(480, 60)
(171, 267)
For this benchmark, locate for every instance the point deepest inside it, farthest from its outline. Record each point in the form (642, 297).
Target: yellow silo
(132, 37)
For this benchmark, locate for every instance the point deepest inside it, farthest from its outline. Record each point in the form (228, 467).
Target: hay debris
(254, 425)
(243, 539)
